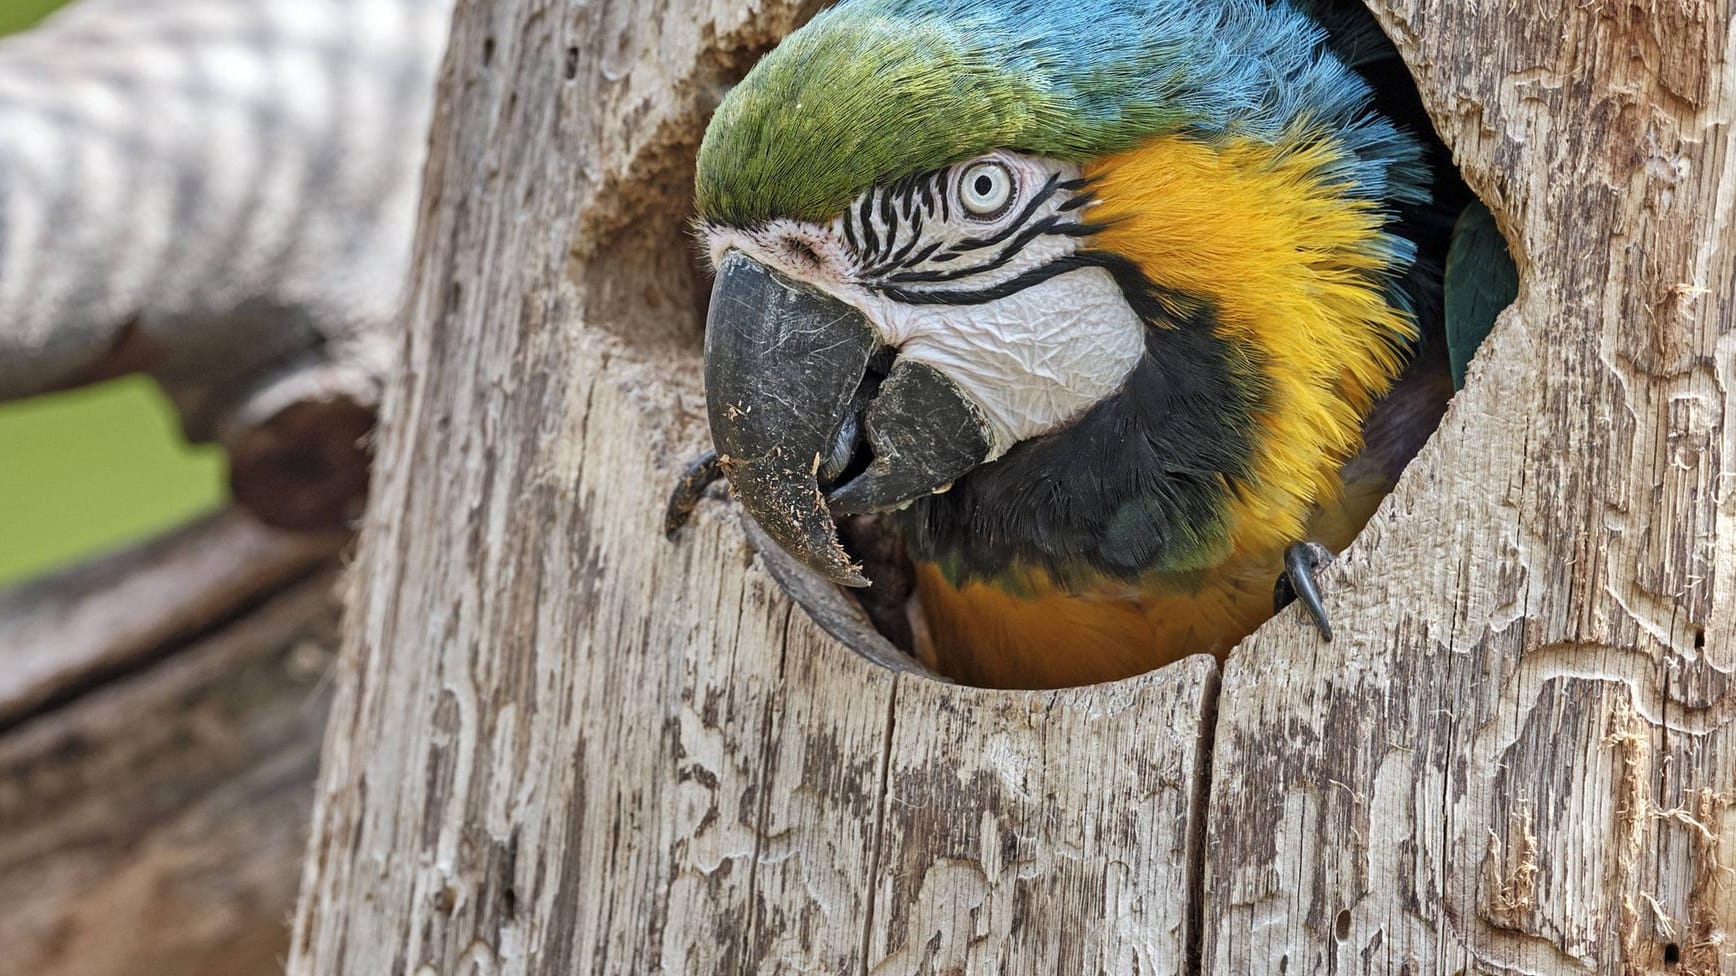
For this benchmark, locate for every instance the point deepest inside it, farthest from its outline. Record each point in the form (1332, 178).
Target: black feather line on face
(902, 255)
(870, 242)
(1055, 226)
(1138, 484)
(850, 230)
(890, 222)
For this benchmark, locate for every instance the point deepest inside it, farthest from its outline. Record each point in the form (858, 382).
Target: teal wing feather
(1480, 281)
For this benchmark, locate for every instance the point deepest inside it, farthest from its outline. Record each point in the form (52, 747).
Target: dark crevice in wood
(1664, 772)
(882, 797)
(1194, 939)
(1441, 867)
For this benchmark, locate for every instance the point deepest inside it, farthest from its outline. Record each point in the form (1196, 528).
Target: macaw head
(1115, 267)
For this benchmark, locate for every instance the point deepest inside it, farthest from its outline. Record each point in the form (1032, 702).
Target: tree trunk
(562, 744)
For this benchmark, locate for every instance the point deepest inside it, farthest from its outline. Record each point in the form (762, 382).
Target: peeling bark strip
(561, 745)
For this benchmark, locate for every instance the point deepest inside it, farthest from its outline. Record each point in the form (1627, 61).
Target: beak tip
(830, 559)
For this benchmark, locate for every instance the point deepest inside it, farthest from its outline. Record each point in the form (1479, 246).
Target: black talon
(1301, 561)
(689, 490)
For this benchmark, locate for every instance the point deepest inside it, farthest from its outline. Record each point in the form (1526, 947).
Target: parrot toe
(1301, 561)
(699, 475)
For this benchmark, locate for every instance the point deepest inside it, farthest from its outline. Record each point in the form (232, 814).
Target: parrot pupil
(986, 190)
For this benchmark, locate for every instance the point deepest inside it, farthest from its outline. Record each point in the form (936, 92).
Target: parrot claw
(1301, 561)
(698, 476)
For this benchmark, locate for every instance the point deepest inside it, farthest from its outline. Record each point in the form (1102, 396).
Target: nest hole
(647, 281)
(661, 299)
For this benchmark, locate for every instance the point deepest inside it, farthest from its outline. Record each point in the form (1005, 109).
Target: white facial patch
(1001, 303)
(1034, 360)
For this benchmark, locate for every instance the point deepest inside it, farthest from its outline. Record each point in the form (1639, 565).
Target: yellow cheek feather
(1295, 267)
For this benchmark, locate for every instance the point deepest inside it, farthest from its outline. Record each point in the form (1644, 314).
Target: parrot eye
(986, 190)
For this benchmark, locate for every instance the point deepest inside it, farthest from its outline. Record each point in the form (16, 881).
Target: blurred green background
(18, 14)
(87, 470)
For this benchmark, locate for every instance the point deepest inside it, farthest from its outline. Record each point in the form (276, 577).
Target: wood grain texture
(564, 745)
(1518, 757)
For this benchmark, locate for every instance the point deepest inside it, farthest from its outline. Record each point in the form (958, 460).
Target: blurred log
(158, 744)
(220, 193)
(66, 632)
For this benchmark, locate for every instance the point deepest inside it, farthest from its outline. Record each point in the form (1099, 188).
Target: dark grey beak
(784, 365)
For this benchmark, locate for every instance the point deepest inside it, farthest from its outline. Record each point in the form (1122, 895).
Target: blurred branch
(69, 631)
(220, 193)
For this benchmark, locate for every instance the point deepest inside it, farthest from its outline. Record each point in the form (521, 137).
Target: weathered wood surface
(1519, 755)
(562, 745)
(565, 745)
(154, 809)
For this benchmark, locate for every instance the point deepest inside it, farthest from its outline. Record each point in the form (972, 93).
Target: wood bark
(563, 745)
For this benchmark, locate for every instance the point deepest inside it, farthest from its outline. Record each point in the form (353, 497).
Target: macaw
(1114, 312)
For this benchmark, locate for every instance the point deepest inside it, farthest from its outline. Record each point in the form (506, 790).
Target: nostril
(803, 252)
